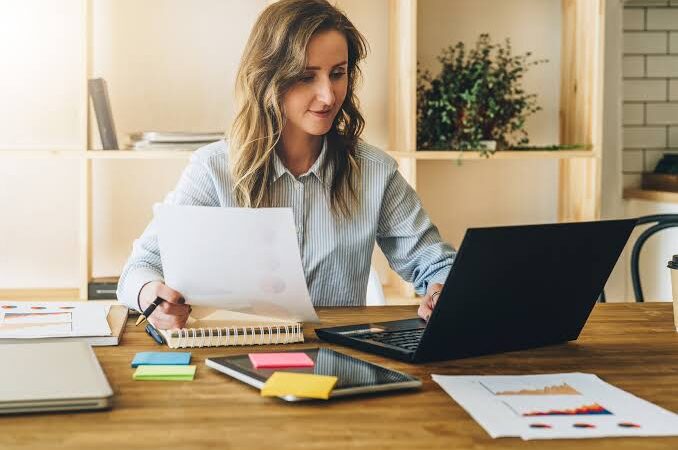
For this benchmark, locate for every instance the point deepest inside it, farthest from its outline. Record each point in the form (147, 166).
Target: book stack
(102, 288)
(167, 140)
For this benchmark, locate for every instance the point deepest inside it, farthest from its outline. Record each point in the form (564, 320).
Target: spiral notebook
(209, 327)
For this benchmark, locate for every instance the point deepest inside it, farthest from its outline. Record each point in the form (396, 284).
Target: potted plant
(476, 97)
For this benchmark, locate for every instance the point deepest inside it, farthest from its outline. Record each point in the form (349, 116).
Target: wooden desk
(633, 346)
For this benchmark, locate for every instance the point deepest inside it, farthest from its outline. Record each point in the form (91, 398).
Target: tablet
(355, 376)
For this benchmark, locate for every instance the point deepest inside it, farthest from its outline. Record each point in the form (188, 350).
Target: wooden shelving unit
(580, 115)
(580, 109)
(185, 155)
(453, 155)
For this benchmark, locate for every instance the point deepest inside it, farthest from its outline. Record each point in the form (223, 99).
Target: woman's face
(312, 103)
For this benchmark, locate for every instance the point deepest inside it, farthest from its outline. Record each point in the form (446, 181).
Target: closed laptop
(59, 376)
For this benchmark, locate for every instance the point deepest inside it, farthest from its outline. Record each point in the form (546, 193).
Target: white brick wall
(673, 42)
(662, 18)
(674, 90)
(650, 85)
(673, 137)
(644, 90)
(633, 113)
(634, 19)
(645, 137)
(662, 66)
(662, 113)
(634, 66)
(632, 160)
(646, 43)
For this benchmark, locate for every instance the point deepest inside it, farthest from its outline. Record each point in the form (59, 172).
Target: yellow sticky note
(306, 385)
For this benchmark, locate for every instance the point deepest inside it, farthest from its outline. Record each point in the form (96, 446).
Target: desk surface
(633, 346)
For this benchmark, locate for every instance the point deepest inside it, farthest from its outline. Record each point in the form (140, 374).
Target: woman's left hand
(429, 301)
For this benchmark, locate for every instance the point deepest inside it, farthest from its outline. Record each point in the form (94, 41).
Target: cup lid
(673, 264)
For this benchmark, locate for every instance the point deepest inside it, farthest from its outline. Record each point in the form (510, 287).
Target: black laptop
(510, 288)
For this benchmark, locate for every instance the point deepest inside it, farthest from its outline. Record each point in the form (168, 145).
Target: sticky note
(164, 373)
(305, 385)
(280, 360)
(161, 359)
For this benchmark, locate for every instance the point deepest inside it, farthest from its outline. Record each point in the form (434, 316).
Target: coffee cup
(673, 265)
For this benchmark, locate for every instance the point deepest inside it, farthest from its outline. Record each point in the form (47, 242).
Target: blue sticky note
(161, 359)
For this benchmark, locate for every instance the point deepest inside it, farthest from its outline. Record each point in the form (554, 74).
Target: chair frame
(663, 221)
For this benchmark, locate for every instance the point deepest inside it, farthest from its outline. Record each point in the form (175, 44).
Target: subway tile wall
(650, 85)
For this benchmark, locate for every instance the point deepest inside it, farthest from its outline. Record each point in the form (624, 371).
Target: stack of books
(102, 288)
(168, 140)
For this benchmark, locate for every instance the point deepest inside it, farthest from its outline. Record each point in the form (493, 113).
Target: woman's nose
(325, 93)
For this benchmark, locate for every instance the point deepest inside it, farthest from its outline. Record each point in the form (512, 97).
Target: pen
(152, 332)
(147, 312)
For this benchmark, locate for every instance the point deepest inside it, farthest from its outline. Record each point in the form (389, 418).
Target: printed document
(556, 406)
(238, 259)
(34, 320)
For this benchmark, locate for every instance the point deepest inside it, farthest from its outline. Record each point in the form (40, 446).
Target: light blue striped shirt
(336, 253)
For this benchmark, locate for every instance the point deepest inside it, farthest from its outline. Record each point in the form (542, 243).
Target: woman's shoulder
(372, 155)
(206, 154)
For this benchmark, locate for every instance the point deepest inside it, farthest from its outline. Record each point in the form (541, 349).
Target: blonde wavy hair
(274, 59)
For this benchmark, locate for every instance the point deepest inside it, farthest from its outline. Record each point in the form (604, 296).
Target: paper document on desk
(35, 320)
(556, 406)
(239, 259)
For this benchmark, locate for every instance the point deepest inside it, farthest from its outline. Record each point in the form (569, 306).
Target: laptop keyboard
(406, 339)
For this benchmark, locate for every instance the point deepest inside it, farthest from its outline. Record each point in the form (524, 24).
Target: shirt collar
(316, 169)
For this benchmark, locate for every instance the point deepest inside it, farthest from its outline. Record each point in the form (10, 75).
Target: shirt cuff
(439, 277)
(135, 280)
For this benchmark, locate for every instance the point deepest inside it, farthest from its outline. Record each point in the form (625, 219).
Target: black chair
(661, 222)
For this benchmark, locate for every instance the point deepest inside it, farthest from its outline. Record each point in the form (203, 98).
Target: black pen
(152, 332)
(147, 312)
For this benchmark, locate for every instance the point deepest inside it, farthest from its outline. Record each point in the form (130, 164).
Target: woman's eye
(338, 74)
(306, 78)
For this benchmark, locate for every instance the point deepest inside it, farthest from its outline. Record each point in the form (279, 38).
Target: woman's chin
(318, 130)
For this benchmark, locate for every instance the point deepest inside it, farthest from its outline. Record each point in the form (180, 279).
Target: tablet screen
(351, 372)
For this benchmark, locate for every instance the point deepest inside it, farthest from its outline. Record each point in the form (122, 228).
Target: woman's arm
(411, 242)
(144, 267)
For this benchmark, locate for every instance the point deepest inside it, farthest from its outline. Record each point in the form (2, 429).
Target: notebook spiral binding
(227, 336)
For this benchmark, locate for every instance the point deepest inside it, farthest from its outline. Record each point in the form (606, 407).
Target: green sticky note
(164, 373)
(306, 385)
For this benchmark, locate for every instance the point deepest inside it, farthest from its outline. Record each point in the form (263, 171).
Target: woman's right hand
(170, 314)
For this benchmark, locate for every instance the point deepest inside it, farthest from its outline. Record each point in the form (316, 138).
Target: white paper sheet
(33, 320)
(556, 406)
(239, 259)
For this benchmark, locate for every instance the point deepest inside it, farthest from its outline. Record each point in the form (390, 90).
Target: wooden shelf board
(40, 294)
(451, 155)
(653, 196)
(98, 154)
(70, 154)
(139, 154)
(504, 154)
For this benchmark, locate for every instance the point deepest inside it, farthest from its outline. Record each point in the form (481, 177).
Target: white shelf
(98, 154)
(423, 155)
(652, 196)
(138, 154)
(429, 155)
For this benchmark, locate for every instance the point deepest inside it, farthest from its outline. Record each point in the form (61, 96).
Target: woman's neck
(298, 150)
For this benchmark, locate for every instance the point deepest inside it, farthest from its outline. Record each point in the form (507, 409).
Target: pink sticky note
(278, 360)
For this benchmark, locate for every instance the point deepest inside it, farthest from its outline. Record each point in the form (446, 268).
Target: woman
(295, 143)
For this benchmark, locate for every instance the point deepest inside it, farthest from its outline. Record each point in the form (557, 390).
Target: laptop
(45, 377)
(510, 288)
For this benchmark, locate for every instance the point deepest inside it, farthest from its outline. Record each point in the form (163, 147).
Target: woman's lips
(320, 114)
